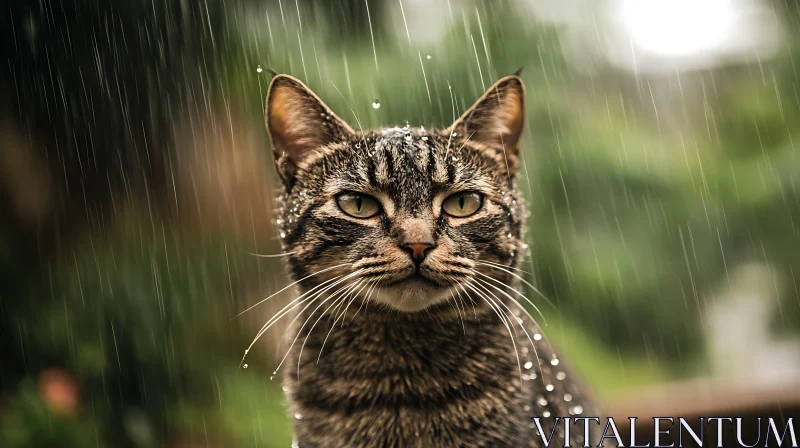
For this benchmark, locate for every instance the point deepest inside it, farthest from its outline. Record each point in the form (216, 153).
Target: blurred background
(660, 166)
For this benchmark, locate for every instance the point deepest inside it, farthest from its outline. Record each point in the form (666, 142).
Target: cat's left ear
(496, 120)
(299, 123)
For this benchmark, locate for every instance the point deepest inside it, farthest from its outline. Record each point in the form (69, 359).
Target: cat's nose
(418, 250)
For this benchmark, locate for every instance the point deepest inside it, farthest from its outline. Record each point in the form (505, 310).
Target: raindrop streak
(376, 104)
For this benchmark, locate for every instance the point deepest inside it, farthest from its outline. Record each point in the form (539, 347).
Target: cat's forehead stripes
(408, 165)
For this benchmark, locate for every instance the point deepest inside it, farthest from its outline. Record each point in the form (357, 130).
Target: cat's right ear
(298, 123)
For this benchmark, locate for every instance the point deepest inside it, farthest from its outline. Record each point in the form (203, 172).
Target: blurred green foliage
(633, 226)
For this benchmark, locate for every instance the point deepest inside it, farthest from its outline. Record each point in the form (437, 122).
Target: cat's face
(402, 215)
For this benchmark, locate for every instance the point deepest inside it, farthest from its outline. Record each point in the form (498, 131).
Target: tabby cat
(406, 244)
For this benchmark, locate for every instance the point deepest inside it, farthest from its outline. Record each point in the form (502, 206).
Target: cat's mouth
(417, 278)
(412, 293)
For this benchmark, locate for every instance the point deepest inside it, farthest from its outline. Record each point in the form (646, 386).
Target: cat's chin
(411, 295)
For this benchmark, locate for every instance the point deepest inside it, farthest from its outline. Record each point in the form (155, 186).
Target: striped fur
(382, 360)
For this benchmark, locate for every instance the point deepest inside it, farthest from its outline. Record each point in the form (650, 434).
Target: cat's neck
(425, 375)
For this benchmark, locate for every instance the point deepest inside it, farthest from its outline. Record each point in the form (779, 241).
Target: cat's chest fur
(445, 378)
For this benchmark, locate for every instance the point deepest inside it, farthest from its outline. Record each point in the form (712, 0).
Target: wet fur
(447, 375)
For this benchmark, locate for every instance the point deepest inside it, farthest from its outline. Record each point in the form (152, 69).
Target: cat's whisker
(504, 269)
(367, 284)
(351, 297)
(285, 311)
(467, 140)
(367, 296)
(525, 330)
(505, 266)
(352, 111)
(363, 283)
(286, 254)
(280, 313)
(311, 316)
(455, 303)
(474, 304)
(290, 285)
(500, 313)
(347, 290)
(463, 305)
(544, 319)
(300, 331)
(297, 302)
(494, 306)
(519, 321)
(474, 309)
(497, 301)
(484, 284)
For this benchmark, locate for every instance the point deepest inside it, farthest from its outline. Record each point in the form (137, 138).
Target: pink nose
(418, 250)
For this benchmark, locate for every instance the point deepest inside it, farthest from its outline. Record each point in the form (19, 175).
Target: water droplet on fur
(577, 410)
(567, 397)
(546, 414)
(259, 69)
(560, 376)
(283, 235)
(528, 365)
(285, 388)
(554, 361)
(527, 408)
(549, 387)
(542, 401)
(537, 337)
(376, 104)
(298, 415)
(424, 139)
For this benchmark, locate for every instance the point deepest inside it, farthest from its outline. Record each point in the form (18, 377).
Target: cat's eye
(462, 204)
(358, 205)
